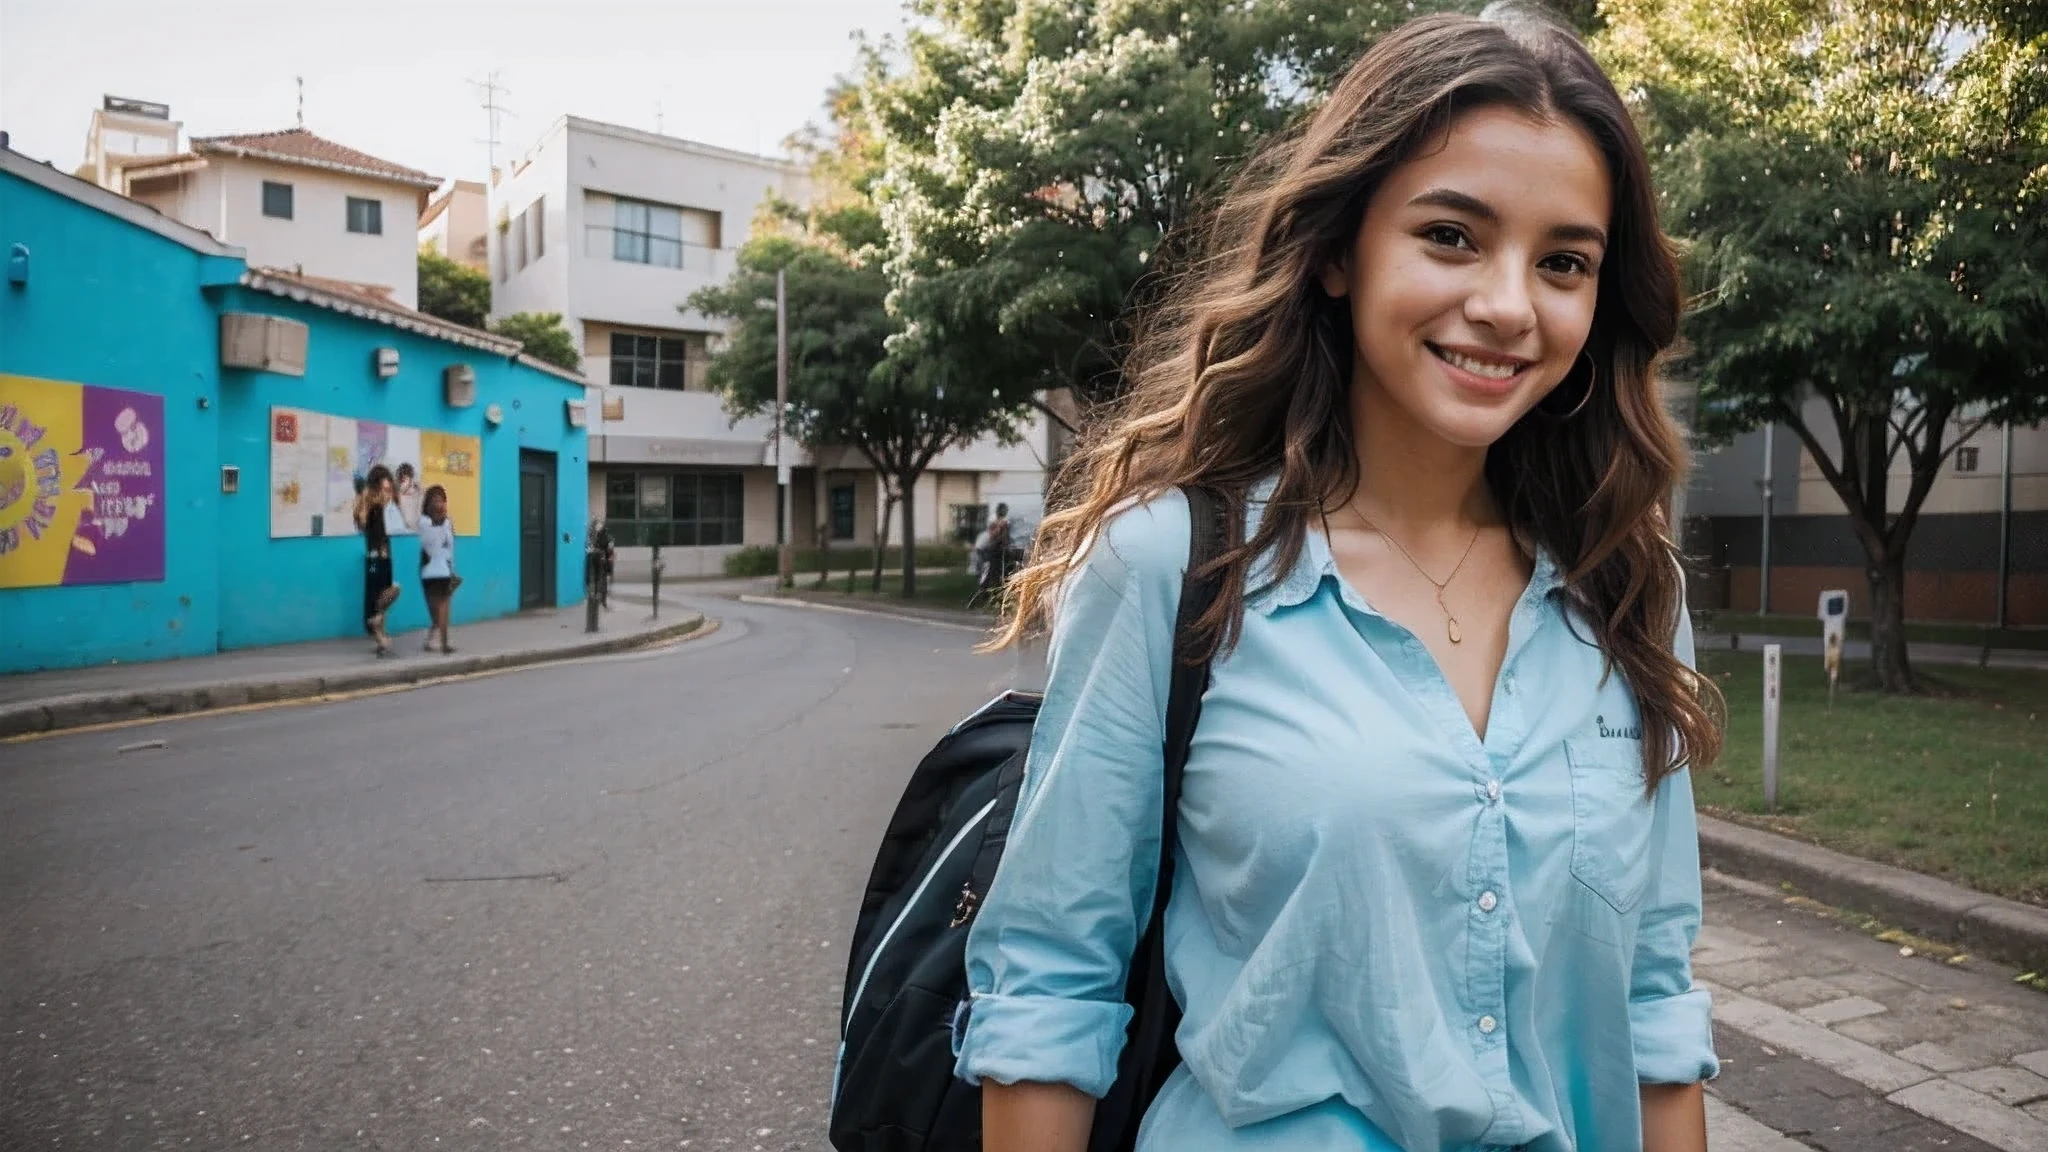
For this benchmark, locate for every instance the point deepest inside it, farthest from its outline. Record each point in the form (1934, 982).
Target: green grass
(1973, 635)
(1953, 783)
(760, 559)
(949, 590)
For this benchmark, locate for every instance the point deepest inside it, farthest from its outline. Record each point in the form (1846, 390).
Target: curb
(1992, 926)
(961, 622)
(81, 710)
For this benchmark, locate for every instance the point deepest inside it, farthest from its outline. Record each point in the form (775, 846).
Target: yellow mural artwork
(452, 462)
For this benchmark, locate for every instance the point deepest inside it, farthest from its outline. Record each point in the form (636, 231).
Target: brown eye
(1568, 264)
(1447, 236)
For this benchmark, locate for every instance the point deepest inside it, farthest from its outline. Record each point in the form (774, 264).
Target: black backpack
(894, 1088)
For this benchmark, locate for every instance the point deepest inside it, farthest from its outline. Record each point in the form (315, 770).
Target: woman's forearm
(1035, 1117)
(1674, 1118)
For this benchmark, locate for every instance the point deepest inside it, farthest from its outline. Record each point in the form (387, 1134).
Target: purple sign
(120, 536)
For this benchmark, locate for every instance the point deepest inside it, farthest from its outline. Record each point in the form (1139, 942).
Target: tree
(1038, 155)
(544, 337)
(1861, 183)
(453, 291)
(845, 387)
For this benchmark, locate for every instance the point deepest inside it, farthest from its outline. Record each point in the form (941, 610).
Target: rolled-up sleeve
(1049, 950)
(1670, 1018)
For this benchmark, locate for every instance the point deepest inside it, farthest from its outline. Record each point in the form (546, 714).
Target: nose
(1503, 303)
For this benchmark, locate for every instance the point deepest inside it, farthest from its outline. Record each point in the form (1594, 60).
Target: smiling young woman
(1438, 877)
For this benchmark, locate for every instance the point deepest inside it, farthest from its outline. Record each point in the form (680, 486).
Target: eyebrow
(1473, 206)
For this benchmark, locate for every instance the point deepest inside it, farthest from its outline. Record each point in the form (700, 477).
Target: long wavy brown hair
(1242, 371)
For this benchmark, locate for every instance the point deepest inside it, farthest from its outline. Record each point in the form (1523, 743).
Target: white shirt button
(1487, 1024)
(1488, 901)
(1493, 789)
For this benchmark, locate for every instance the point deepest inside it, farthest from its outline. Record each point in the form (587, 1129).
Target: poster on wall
(402, 456)
(298, 473)
(81, 484)
(341, 474)
(456, 464)
(318, 464)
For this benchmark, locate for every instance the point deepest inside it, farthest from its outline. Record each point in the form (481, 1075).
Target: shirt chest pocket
(1611, 817)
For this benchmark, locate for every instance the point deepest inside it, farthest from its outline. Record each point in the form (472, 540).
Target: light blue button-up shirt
(1387, 934)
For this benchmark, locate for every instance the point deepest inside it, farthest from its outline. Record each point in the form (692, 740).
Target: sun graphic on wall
(13, 475)
(29, 485)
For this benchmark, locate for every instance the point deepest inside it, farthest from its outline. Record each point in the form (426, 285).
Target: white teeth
(1484, 368)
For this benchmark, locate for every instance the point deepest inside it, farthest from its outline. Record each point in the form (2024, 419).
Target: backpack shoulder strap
(1207, 539)
(1198, 592)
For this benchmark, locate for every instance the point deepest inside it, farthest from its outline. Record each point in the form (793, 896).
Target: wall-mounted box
(459, 383)
(262, 343)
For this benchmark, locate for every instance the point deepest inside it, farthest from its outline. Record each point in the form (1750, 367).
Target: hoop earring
(1592, 382)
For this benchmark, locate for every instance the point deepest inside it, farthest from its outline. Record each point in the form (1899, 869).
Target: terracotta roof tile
(376, 302)
(297, 144)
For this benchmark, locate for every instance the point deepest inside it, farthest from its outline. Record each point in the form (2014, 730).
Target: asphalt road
(599, 905)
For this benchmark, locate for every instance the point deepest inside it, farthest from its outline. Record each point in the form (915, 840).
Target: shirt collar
(1269, 592)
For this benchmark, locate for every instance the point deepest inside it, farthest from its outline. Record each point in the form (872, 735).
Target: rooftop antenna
(491, 90)
(302, 99)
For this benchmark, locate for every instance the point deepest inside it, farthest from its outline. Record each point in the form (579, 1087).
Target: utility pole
(785, 561)
(2005, 527)
(1763, 593)
(301, 81)
(491, 90)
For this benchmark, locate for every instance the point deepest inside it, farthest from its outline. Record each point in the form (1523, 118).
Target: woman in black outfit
(379, 591)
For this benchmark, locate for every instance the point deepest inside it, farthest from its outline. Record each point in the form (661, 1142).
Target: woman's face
(384, 490)
(1474, 274)
(437, 505)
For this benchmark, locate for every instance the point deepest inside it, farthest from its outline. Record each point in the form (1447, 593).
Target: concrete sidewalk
(1859, 650)
(34, 702)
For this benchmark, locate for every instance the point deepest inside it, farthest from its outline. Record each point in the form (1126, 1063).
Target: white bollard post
(1773, 654)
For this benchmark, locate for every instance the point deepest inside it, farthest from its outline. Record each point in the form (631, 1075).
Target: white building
(292, 200)
(614, 228)
(457, 224)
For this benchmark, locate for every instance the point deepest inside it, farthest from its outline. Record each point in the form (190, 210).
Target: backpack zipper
(909, 905)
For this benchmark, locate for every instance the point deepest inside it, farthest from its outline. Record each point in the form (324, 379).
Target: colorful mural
(318, 463)
(81, 484)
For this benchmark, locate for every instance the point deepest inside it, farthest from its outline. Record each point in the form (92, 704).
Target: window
(643, 361)
(277, 200)
(1966, 459)
(644, 233)
(366, 216)
(540, 226)
(675, 509)
(518, 238)
(842, 512)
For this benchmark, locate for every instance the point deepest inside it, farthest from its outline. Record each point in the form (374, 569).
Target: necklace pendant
(1456, 633)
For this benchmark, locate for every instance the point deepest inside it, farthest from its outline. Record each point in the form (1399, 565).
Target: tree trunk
(907, 487)
(882, 535)
(1888, 622)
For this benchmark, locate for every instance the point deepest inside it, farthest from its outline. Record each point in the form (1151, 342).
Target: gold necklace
(1451, 628)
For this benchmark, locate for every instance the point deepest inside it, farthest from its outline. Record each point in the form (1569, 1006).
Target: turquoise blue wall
(111, 304)
(306, 588)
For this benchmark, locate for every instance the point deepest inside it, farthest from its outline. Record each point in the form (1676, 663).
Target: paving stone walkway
(1834, 1040)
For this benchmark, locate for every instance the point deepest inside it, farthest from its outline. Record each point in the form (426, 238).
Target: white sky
(390, 78)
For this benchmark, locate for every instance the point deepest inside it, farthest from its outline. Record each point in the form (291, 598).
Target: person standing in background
(437, 565)
(379, 592)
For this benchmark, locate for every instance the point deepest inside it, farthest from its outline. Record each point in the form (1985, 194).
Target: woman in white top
(437, 564)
